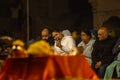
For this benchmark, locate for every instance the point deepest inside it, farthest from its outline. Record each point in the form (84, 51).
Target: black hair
(55, 30)
(87, 31)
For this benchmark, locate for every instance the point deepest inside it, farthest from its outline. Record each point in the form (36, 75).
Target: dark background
(72, 14)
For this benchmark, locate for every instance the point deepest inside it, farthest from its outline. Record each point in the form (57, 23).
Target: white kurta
(88, 48)
(68, 44)
(58, 50)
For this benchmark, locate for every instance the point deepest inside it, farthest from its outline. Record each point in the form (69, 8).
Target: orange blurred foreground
(47, 68)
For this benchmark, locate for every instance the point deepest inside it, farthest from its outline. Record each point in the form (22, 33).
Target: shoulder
(81, 43)
(112, 39)
(92, 41)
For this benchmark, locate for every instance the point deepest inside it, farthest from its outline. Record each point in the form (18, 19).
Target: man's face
(56, 35)
(45, 34)
(102, 34)
(74, 35)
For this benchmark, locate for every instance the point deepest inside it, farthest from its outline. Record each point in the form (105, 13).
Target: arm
(68, 44)
(116, 48)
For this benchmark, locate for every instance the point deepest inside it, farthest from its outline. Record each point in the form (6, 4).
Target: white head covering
(66, 33)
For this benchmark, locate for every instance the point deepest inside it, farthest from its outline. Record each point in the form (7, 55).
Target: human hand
(98, 64)
(119, 46)
(58, 44)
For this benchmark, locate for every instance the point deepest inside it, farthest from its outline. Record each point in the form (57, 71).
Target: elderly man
(102, 51)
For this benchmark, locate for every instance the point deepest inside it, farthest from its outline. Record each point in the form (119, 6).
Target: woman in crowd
(87, 43)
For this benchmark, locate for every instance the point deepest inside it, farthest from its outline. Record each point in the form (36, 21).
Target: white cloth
(66, 33)
(68, 44)
(58, 50)
(88, 48)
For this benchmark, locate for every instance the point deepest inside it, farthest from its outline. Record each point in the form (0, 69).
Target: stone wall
(103, 9)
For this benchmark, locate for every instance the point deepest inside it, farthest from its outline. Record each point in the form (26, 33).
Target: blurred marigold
(19, 43)
(39, 47)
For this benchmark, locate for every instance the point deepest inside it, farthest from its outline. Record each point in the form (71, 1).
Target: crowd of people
(98, 46)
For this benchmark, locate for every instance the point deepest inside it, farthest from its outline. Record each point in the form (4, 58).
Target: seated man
(46, 35)
(64, 43)
(102, 51)
(57, 35)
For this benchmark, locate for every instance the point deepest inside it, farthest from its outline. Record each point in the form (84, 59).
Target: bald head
(102, 33)
(45, 34)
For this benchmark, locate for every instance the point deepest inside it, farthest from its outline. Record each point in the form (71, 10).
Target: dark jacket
(102, 51)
